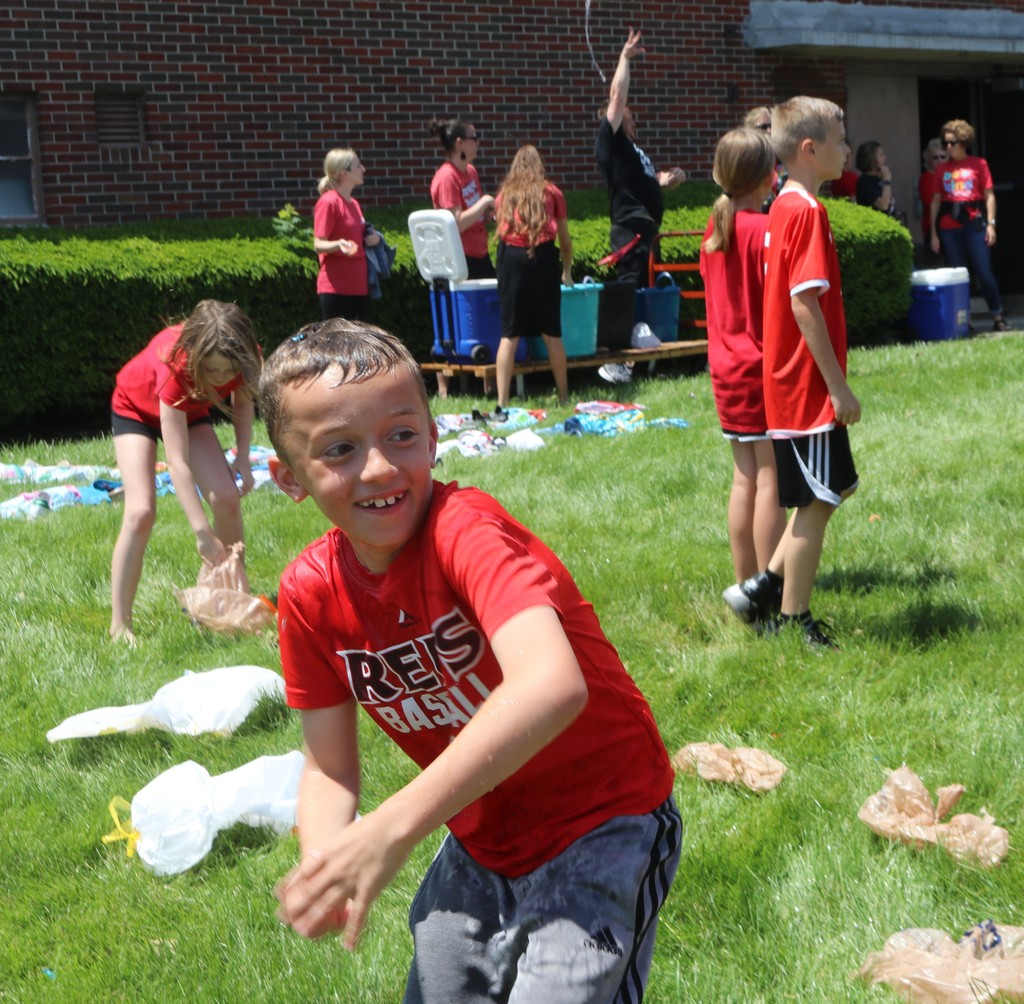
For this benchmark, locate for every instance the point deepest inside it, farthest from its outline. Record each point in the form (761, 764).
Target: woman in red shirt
(963, 214)
(340, 238)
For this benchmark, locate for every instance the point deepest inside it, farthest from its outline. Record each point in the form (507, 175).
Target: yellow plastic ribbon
(121, 812)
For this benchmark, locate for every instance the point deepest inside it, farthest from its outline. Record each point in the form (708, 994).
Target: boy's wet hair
(355, 350)
(801, 118)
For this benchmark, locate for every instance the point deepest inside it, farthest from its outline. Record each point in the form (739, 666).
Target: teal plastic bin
(579, 321)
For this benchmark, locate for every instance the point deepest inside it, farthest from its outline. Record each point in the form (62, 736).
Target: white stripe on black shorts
(818, 466)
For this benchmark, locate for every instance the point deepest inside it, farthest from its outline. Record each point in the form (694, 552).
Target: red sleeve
(324, 218)
(807, 239)
(560, 212)
(496, 564)
(984, 176)
(446, 192)
(309, 675)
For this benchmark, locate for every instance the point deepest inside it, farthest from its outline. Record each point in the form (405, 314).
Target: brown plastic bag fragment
(220, 599)
(925, 966)
(902, 810)
(744, 765)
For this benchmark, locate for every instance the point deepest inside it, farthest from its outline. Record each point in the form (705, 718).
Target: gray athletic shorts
(578, 930)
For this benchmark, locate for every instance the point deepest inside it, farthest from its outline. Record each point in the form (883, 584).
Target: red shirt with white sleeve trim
(800, 255)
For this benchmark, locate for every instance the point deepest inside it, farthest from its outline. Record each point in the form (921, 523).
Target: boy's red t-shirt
(800, 254)
(149, 378)
(412, 646)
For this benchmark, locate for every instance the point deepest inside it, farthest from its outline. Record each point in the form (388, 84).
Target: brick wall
(242, 99)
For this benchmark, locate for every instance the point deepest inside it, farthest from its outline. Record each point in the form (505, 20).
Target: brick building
(121, 110)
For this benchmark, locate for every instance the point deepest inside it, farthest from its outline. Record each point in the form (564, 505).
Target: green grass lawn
(779, 896)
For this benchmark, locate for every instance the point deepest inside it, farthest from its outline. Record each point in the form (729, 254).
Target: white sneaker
(616, 373)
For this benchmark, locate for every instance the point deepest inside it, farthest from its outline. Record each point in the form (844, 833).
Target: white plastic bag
(218, 700)
(175, 817)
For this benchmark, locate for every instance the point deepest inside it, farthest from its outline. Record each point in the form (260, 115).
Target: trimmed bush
(75, 305)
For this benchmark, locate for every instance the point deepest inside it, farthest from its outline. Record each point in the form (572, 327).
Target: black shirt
(633, 189)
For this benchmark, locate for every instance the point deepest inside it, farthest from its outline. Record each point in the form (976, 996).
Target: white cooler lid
(939, 277)
(437, 245)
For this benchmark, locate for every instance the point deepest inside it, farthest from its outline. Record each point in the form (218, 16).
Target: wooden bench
(667, 350)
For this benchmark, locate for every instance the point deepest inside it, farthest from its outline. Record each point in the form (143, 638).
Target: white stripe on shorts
(818, 468)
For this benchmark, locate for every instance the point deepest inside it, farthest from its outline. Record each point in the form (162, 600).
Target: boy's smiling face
(363, 451)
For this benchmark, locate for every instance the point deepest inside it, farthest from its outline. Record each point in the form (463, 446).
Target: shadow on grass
(860, 581)
(915, 616)
(234, 842)
(270, 714)
(118, 747)
(924, 621)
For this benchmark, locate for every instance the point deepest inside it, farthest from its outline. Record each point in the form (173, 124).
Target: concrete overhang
(885, 32)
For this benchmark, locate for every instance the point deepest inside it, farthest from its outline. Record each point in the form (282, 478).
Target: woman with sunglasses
(456, 187)
(963, 214)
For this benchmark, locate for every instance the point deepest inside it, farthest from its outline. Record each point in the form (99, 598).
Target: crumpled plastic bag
(744, 765)
(643, 337)
(174, 819)
(218, 700)
(925, 966)
(221, 601)
(903, 810)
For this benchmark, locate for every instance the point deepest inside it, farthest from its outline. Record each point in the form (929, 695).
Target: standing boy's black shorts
(530, 291)
(818, 466)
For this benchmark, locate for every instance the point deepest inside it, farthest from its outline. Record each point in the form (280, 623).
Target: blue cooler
(579, 321)
(658, 308)
(940, 304)
(466, 312)
(467, 321)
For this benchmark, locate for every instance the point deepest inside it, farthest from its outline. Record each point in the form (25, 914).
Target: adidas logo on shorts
(604, 941)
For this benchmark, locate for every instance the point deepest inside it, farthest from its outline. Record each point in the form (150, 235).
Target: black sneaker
(755, 599)
(816, 633)
(1000, 324)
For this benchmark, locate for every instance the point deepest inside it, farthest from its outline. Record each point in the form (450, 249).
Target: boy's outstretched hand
(333, 889)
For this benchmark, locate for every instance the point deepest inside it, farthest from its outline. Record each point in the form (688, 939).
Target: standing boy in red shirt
(808, 402)
(467, 642)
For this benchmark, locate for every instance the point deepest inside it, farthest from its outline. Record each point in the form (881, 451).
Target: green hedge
(74, 305)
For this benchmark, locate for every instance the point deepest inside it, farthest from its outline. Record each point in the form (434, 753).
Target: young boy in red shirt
(466, 640)
(808, 402)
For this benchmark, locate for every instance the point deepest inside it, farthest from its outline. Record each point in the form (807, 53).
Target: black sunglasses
(765, 126)
(951, 142)
(475, 137)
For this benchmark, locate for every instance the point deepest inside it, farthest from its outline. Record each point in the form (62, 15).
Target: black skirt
(530, 291)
